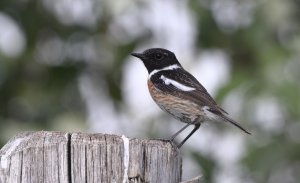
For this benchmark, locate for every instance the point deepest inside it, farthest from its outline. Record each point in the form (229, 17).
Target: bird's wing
(184, 85)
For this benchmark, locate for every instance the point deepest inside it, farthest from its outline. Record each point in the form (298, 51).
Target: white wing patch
(171, 67)
(180, 86)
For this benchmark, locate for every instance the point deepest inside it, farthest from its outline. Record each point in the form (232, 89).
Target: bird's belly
(181, 109)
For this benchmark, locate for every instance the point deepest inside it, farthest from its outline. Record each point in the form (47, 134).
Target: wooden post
(80, 157)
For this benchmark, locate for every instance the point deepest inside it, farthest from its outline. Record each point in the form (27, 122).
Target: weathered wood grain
(81, 157)
(35, 157)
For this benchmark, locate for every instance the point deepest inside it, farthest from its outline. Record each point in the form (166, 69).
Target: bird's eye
(158, 56)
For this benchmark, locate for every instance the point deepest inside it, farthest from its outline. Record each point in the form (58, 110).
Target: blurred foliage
(39, 88)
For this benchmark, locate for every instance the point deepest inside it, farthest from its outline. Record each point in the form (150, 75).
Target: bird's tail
(235, 124)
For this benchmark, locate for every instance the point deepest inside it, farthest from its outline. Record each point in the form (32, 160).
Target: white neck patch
(180, 86)
(171, 67)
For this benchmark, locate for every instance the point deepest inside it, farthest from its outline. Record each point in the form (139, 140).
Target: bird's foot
(173, 143)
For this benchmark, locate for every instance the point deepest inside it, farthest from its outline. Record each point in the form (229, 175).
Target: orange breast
(184, 110)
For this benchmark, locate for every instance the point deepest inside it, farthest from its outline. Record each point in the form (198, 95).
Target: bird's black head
(157, 58)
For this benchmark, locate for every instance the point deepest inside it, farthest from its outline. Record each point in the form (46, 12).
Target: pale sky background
(174, 28)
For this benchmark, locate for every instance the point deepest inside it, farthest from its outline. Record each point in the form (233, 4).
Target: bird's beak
(138, 55)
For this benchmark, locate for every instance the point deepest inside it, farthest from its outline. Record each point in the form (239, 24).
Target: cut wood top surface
(82, 157)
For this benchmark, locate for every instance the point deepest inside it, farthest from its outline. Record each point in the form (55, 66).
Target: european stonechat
(179, 93)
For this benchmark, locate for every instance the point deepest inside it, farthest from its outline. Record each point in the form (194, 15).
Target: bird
(179, 93)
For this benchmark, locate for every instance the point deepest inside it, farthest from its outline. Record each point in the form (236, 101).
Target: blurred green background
(65, 65)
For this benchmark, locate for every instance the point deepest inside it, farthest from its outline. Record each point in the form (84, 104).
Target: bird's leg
(177, 133)
(197, 126)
